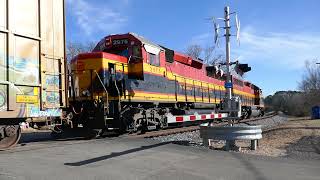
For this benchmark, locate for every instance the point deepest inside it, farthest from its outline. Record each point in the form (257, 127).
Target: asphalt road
(127, 158)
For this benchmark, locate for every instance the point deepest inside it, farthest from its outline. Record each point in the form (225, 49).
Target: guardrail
(230, 134)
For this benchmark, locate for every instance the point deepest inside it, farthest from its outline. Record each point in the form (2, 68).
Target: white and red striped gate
(195, 117)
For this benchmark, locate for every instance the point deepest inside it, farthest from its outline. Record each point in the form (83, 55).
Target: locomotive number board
(120, 42)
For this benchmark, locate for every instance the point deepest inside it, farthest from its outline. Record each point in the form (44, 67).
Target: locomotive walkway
(127, 158)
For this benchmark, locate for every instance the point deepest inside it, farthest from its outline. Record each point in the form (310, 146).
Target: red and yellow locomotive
(128, 82)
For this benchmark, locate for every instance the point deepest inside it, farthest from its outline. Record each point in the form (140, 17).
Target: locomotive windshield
(125, 50)
(119, 51)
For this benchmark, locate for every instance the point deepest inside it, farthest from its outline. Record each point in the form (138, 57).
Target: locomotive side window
(154, 59)
(153, 52)
(136, 52)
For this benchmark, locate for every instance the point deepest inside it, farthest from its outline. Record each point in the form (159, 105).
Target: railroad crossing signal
(242, 68)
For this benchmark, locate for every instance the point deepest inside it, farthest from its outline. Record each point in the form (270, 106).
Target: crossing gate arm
(195, 117)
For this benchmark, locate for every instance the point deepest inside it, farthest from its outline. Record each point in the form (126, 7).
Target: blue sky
(276, 36)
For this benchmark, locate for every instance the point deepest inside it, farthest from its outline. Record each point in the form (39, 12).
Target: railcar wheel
(245, 113)
(137, 122)
(11, 136)
(137, 125)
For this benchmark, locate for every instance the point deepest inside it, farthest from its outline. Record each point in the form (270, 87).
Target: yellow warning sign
(27, 99)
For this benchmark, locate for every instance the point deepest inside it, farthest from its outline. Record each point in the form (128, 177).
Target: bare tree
(217, 59)
(310, 84)
(207, 53)
(299, 103)
(194, 50)
(311, 79)
(74, 48)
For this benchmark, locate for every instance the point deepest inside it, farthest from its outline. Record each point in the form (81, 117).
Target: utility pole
(230, 104)
(228, 84)
(227, 35)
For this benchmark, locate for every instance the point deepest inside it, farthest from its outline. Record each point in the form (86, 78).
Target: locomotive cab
(127, 46)
(110, 76)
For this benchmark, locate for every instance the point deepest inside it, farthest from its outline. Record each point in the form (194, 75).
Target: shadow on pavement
(116, 154)
(48, 136)
(241, 157)
(249, 166)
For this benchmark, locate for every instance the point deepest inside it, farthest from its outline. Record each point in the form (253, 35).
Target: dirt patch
(297, 139)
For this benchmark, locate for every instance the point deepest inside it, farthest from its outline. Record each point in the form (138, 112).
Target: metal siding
(3, 14)
(25, 64)
(32, 47)
(52, 56)
(3, 56)
(3, 98)
(47, 36)
(58, 28)
(24, 17)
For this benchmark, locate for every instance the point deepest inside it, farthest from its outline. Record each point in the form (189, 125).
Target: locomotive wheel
(12, 136)
(137, 124)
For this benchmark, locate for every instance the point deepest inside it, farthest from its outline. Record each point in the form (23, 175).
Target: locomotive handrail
(129, 59)
(104, 87)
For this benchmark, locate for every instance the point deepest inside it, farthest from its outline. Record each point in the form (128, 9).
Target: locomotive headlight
(86, 93)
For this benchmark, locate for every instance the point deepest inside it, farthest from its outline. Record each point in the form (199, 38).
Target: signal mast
(231, 103)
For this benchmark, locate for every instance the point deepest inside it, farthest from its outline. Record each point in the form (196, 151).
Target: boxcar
(32, 63)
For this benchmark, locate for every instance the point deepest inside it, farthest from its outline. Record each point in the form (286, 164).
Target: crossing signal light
(242, 68)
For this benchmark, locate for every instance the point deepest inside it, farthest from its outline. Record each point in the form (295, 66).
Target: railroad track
(291, 127)
(48, 143)
(170, 131)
